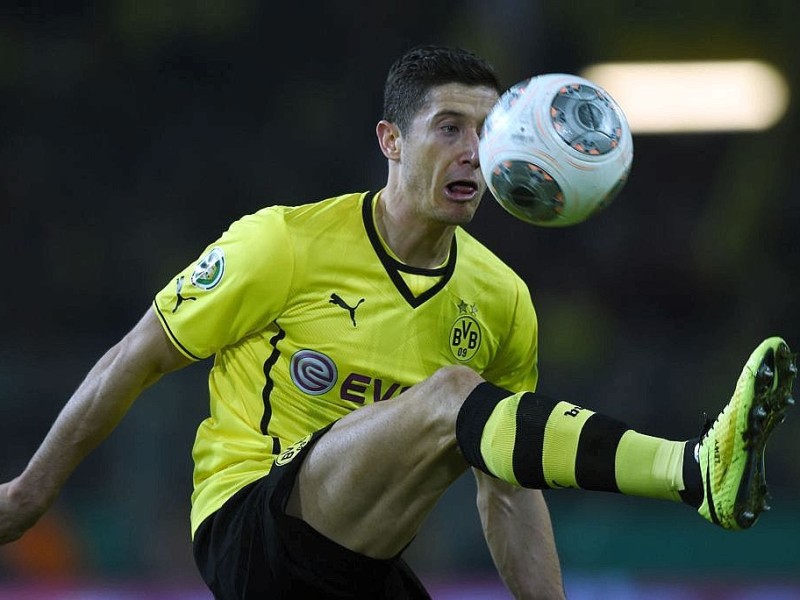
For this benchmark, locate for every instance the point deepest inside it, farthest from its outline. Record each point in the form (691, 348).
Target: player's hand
(16, 515)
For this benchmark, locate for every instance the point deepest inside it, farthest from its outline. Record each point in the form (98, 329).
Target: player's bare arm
(93, 411)
(519, 533)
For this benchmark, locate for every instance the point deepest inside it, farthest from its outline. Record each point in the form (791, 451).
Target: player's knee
(452, 384)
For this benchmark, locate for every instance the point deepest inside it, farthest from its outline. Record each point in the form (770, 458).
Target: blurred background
(135, 131)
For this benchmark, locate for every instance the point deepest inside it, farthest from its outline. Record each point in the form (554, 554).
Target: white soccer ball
(555, 150)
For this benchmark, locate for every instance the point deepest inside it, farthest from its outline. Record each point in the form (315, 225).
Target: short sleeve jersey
(309, 317)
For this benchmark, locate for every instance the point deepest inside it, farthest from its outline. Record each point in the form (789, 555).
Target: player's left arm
(518, 531)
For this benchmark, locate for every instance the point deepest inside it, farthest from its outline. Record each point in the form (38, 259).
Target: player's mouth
(462, 190)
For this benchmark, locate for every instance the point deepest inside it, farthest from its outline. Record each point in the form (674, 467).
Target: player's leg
(539, 442)
(370, 482)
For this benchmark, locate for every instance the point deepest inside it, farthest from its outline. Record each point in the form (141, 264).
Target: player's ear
(388, 139)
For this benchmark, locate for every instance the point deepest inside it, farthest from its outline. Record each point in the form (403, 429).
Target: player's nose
(470, 154)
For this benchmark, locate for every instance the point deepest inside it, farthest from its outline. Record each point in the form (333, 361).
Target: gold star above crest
(467, 309)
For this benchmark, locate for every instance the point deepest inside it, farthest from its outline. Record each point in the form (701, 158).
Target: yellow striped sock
(534, 441)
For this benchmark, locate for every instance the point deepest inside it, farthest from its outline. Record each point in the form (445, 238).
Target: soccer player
(367, 351)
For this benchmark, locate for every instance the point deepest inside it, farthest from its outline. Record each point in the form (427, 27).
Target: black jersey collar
(394, 267)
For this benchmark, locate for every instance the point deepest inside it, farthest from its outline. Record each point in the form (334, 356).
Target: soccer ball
(555, 150)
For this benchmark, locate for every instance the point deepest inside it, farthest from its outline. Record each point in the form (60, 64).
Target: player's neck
(415, 241)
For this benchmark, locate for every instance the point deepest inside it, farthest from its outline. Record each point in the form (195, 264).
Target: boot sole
(772, 397)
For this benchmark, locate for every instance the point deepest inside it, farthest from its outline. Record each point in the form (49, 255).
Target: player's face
(441, 173)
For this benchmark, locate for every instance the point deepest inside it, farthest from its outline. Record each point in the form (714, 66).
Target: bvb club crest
(465, 334)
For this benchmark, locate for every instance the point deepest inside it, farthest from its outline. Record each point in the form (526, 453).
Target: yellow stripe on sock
(499, 436)
(561, 435)
(648, 466)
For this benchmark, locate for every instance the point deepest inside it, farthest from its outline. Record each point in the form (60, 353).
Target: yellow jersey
(309, 316)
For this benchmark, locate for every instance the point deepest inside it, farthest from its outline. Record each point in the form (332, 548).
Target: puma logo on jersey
(178, 290)
(337, 300)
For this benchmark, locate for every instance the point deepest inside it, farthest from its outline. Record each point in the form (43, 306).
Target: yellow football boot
(731, 452)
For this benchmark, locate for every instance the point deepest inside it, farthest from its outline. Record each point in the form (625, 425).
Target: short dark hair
(423, 67)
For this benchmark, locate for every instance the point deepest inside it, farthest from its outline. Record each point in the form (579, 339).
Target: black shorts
(250, 548)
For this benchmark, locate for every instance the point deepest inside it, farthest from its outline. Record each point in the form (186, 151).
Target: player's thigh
(374, 477)
(250, 548)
